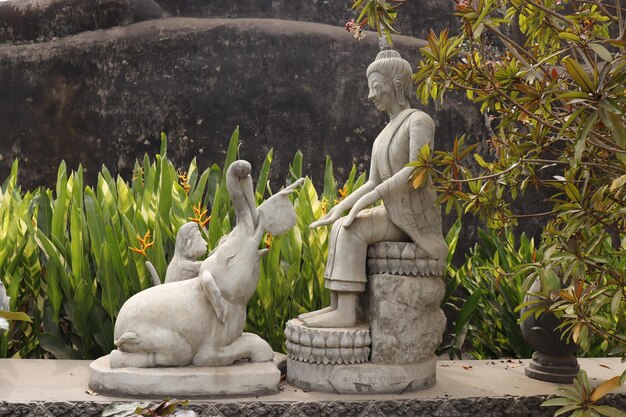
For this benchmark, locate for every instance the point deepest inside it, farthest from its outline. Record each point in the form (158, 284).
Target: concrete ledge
(362, 378)
(239, 379)
(464, 388)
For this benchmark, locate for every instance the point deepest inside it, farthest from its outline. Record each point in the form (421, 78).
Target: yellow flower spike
(199, 215)
(145, 244)
(268, 241)
(184, 181)
(324, 205)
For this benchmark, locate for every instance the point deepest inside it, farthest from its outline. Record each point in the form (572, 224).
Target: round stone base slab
(555, 374)
(241, 378)
(362, 378)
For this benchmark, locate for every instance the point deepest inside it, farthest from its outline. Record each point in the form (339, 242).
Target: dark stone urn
(553, 360)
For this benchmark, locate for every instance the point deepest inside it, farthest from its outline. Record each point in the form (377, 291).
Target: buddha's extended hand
(331, 217)
(363, 202)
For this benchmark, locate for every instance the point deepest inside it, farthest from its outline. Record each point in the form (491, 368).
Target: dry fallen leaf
(90, 392)
(467, 367)
(605, 366)
(604, 388)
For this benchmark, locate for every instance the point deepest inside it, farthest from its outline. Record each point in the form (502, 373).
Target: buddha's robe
(407, 214)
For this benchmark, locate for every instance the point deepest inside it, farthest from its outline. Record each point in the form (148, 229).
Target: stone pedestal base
(362, 378)
(241, 378)
(551, 368)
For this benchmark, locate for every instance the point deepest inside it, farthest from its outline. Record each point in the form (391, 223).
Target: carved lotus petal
(382, 264)
(318, 340)
(305, 339)
(366, 354)
(371, 252)
(394, 265)
(381, 250)
(434, 267)
(368, 339)
(305, 354)
(408, 252)
(358, 355)
(394, 251)
(347, 354)
(295, 336)
(359, 340)
(318, 355)
(332, 355)
(296, 352)
(332, 341)
(288, 331)
(289, 347)
(346, 341)
(422, 265)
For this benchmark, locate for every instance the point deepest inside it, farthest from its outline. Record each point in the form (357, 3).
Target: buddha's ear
(399, 87)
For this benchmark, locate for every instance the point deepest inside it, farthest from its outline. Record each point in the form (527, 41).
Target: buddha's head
(389, 79)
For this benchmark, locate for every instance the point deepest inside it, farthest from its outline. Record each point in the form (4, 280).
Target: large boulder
(41, 20)
(103, 97)
(415, 18)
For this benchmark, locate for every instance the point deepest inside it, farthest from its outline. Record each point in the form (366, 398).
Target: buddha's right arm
(349, 201)
(372, 182)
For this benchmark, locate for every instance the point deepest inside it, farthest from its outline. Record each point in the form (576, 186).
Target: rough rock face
(416, 18)
(104, 96)
(40, 20)
(415, 300)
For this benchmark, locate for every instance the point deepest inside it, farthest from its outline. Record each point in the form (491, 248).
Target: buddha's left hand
(363, 202)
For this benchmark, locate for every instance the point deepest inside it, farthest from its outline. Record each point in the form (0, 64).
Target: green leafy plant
(580, 400)
(5, 314)
(486, 324)
(549, 78)
(71, 256)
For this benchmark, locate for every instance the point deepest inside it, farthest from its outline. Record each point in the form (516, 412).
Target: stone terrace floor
(464, 388)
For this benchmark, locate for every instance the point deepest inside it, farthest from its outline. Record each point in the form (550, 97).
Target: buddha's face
(381, 91)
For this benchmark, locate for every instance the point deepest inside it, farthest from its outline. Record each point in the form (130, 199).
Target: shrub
(70, 258)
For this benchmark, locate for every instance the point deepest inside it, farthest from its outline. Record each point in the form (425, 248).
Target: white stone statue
(190, 245)
(199, 321)
(407, 214)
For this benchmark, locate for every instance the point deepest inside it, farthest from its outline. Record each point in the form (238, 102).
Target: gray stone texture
(405, 319)
(466, 388)
(182, 382)
(96, 97)
(435, 407)
(42, 20)
(362, 378)
(416, 18)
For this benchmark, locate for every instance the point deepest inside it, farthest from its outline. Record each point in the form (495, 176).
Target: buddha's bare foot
(316, 312)
(334, 318)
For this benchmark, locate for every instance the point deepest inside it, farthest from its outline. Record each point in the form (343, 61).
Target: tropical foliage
(70, 257)
(549, 77)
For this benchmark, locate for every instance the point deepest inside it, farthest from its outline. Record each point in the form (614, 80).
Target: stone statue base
(362, 378)
(241, 378)
(338, 360)
(551, 368)
(391, 349)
